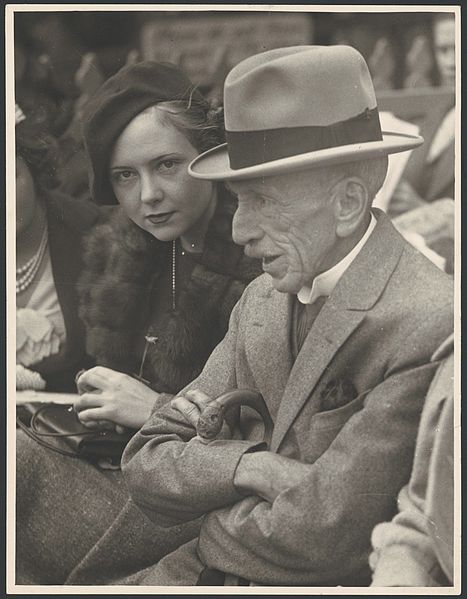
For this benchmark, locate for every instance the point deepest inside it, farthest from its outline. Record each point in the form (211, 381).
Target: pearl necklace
(26, 273)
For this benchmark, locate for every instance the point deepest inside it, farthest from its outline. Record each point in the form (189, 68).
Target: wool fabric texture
(130, 91)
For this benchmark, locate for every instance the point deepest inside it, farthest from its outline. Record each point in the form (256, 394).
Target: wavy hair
(202, 125)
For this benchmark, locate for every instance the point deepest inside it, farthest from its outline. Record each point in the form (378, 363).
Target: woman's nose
(245, 227)
(151, 190)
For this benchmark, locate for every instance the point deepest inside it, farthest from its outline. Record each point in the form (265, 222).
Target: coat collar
(365, 279)
(340, 316)
(325, 283)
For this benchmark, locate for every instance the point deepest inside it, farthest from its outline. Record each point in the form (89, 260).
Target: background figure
(169, 273)
(161, 277)
(49, 227)
(433, 194)
(444, 35)
(417, 547)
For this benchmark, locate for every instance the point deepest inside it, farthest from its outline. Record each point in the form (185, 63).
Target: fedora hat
(296, 108)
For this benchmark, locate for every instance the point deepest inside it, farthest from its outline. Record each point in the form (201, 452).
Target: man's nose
(151, 190)
(245, 226)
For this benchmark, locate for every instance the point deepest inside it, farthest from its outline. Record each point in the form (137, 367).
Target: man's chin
(285, 285)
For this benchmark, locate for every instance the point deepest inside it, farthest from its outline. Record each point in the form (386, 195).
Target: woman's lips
(159, 219)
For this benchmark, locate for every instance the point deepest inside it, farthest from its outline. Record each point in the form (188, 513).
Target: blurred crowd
(60, 61)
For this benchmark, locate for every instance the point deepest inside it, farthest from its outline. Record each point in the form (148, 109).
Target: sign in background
(207, 47)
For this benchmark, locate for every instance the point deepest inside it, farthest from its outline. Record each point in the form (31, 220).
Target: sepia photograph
(236, 237)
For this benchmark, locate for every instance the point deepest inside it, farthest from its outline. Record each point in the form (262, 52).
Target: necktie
(305, 315)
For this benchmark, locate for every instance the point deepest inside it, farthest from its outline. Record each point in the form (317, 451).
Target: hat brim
(215, 165)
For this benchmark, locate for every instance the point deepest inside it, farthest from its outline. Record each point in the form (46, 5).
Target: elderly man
(336, 335)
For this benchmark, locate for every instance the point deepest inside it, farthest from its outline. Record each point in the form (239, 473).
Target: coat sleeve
(167, 470)
(404, 552)
(319, 530)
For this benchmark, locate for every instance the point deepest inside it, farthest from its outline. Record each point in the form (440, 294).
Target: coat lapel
(329, 332)
(267, 344)
(340, 316)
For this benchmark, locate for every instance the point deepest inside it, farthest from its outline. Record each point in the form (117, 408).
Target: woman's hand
(110, 396)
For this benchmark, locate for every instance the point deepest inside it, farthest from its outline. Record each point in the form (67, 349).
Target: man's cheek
(282, 230)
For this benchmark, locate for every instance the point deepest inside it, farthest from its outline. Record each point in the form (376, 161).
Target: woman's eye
(168, 165)
(122, 176)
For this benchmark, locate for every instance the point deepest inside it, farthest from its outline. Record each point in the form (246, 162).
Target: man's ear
(350, 205)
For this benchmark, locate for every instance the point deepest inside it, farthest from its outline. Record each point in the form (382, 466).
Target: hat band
(250, 148)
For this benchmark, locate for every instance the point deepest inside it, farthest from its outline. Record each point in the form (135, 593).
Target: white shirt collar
(325, 282)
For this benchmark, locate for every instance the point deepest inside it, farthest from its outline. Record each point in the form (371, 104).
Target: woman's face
(25, 196)
(149, 176)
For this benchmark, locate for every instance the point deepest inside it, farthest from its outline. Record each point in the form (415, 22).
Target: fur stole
(123, 264)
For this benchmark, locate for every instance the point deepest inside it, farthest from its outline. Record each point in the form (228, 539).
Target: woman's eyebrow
(166, 156)
(118, 167)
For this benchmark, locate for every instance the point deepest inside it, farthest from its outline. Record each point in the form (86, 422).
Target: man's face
(444, 35)
(289, 223)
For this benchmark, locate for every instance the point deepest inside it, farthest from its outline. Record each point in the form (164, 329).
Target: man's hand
(108, 396)
(267, 474)
(191, 405)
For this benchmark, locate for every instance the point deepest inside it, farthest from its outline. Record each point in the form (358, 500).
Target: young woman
(49, 227)
(161, 278)
(163, 274)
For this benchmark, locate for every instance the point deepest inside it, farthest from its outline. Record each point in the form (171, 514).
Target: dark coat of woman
(124, 270)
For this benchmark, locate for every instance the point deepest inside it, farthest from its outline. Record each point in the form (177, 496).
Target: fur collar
(123, 264)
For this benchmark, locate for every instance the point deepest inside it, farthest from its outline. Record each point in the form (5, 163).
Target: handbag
(57, 427)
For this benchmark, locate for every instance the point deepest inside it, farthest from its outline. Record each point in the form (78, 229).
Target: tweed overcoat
(377, 331)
